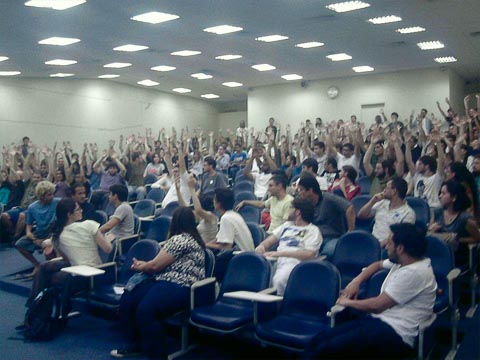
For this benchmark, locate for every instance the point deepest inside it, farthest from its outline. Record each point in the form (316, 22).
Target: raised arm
(368, 157)
(247, 171)
(408, 157)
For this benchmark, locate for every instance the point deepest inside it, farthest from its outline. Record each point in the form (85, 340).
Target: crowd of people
(303, 181)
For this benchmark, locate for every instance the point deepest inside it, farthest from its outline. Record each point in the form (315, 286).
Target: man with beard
(391, 319)
(297, 239)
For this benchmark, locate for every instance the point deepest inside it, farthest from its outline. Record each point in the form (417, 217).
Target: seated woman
(76, 242)
(346, 186)
(454, 223)
(208, 223)
(179, 264)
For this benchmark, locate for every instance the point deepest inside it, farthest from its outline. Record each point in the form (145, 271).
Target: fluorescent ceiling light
(445, 59)
(55, 4)
(182, 90)
(232, 84)
(9, 73)
(210, 96)
(309, 45)
(148, 82)
(108, 76)
(431, 45)
(163, 68)
(364, 68)
(385, 19)
(186, 53)
(59, 41)
(154, 17)
(130, 48)
(60, 62)
(291, 77)
(223, 29)
(347, 6)
(271, 38)
(3, 58)
(339, 57)
(410, 30)
(228, 57)
(61, 75)
(263, 67)
(117, 65)
(201, 76)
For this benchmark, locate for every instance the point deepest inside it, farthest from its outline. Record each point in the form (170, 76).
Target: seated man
(406, 298)
(122, 221)
(211, 179)
(388, 207)
(298, 240)
(79, 194)
(41, 213)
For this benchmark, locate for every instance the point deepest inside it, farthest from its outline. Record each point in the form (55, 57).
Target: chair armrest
(236, 252)
(453, 274)
(471, 255)
(451, 277)
(147, 218)
(124, 239)
(133, 202)
(336, 309)
(203, 293)
(422, 327)
(83, 270)
(109, 276)
(270, 291)
(253, 296)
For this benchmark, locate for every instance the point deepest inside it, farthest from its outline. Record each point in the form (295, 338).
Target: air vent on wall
(398, 43)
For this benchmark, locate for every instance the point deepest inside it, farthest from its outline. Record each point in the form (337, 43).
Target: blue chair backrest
(150, 179)
(312, 289)
(144, 250)
(156, 195)
(246, 271)
(244, 186)
(365, 184)
(354, 251)
(441, 256)
(240, 176)
(145, 207)
(158, 229)
(374, 284)
(294, 179)
(359, 201)
(209, 263)
(250, 214)
(244, 195)
(257, 232)
(101, 217)
(170, 208)
(421, 208)
(109, 209)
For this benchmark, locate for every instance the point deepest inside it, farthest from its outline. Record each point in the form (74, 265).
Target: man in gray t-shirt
(122, 222)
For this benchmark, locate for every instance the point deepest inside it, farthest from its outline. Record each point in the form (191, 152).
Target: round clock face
(332, 92)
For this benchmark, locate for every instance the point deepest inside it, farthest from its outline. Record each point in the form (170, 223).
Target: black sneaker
(21, 327)
(127, 351)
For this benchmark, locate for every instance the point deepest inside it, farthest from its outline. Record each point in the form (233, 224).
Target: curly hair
(44, 187)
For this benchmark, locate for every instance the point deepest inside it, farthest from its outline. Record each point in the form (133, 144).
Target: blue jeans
(143, 309)
(367, 337)
(328, 246)
(139, 191)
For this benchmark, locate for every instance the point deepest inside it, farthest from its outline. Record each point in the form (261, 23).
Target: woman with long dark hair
(179, 264)
(459, 172)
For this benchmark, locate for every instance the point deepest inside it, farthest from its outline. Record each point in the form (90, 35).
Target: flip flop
(24, 277)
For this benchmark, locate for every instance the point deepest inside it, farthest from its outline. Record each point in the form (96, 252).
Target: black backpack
(46, 316)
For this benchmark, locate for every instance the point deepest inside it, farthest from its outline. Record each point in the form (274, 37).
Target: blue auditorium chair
(358, 202)
(421, 208)
(365, 184)
(246, 272)
(158, 229)
(355, 250)
(258, 234)
(244, 185)
(312, 290)
(156, 195)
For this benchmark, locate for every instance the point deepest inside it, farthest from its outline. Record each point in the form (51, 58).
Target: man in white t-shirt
(261, 178)
(406, 299)
(298, 240)
(388, 207)
(350, 154)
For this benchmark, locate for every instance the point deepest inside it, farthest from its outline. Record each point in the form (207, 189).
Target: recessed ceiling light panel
(117, 65)
(59, 41)
(186, 53)
(228, 57)
(445, 59)
(60, 62)
(108, 76)
(148, 82)
(3, 58)
(339, 57)
(223, 29)
(263, 67)
(155, 17)
(410, 30)
(61, 75)
(9, 73)
(55, 4)
(201, 76)
(210, 96)
(309, 45)
(385, 19)
(431, 45)
(130, 48)
(291, 77)
(347, 6)
(363, 68)
(182, 90)
(163, 68)
(271, 38)
(232, 84)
